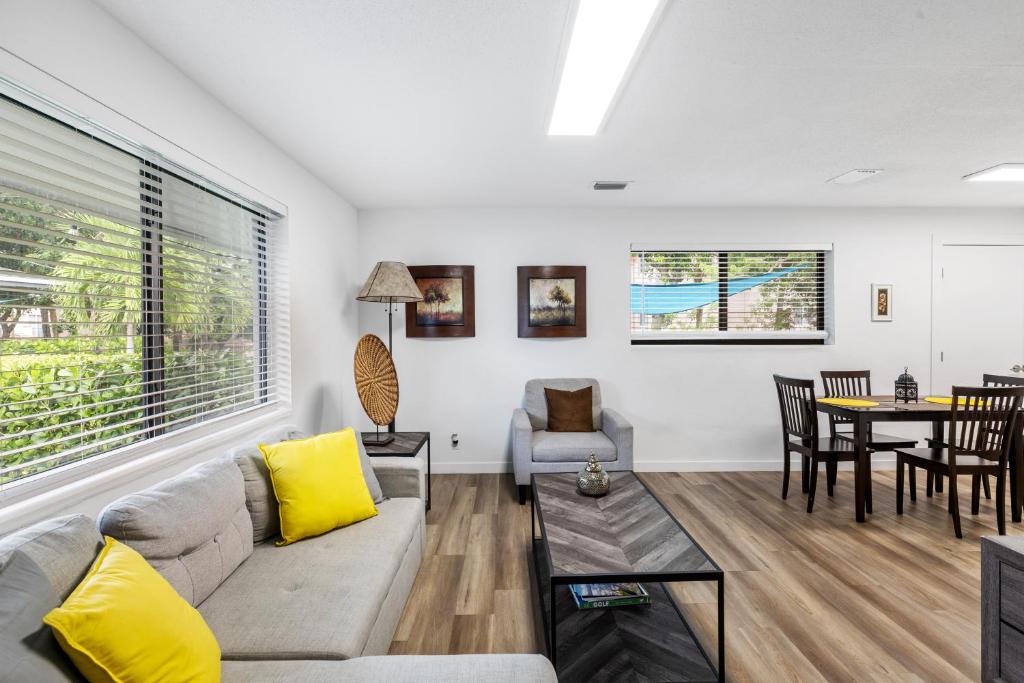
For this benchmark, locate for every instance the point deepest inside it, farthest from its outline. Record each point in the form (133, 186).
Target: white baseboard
(500, 466)
(491, 467)
(877, 463)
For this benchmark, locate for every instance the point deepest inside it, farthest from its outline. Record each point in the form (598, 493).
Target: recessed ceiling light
(855, 176)
(1003, 173)
(606, 37)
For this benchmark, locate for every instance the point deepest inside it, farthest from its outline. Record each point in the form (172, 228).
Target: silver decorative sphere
(592, 480)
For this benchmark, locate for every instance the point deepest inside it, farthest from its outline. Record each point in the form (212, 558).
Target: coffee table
(625, 536)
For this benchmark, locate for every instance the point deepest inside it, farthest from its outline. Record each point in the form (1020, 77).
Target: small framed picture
(552, 301)
(448, 308)
(881, 303)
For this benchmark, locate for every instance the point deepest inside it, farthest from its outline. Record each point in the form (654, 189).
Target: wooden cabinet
(1002, 609)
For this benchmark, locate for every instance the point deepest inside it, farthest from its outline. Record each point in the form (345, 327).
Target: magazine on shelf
(593, 595)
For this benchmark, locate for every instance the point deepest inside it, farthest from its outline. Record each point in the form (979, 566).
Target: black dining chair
(980, 480)
(981, 425)
(800, 435)
(855, 383)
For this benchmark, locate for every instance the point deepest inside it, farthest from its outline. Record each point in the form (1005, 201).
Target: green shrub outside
(51, 395)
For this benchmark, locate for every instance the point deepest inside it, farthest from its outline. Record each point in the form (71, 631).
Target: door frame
(938, 242)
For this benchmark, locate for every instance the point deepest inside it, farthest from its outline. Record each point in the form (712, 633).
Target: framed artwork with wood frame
(552, 301)
(881, 303)
(448, 308)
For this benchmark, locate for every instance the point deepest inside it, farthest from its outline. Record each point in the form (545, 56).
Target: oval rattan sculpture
(376, 379)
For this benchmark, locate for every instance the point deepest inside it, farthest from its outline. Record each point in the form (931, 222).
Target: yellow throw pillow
(318, 483)
(124, 622)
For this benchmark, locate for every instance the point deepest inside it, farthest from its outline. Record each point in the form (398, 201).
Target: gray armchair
(536, 450)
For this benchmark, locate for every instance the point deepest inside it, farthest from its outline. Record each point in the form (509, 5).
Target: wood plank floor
(808, 597)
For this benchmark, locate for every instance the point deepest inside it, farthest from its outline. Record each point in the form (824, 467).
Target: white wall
(693, 407)
(75, 53)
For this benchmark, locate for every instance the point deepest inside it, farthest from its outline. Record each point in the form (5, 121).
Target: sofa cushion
(316, 599)
(259, 492)
(572, 446)
(28, 650)
(63, 547)
(398, 669)
(193, 528)
(536, 404)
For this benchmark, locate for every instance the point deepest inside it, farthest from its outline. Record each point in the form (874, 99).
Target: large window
(134, 301)
(734, 295)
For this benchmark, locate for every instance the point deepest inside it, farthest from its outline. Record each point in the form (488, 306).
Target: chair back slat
(797, 407)
(844, 383)
(1002, 381)
(982, 420)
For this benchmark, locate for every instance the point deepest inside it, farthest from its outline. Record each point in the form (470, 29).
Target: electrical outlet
(455, 442)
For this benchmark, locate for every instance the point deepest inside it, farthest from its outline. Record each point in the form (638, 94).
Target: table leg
(938, 436)
(428, 471)
(1016, 474)
(554, 625)
(721, 629)
(862, 476)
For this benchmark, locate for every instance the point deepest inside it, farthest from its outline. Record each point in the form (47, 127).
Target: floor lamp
(390, 282)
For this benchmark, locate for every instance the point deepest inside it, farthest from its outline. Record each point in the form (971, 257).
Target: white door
(979, 314)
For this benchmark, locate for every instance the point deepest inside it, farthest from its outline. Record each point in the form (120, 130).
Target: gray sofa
(536, 450)
(322, 609)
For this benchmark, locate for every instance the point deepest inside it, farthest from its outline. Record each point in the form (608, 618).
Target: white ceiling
(739, 102)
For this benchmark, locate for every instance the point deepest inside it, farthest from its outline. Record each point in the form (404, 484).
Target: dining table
(891, 410)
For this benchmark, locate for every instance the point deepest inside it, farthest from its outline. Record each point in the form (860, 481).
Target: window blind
(729, 295)
(133, 301)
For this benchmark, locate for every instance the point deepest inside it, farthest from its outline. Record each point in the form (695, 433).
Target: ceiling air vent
(611, 184)
(855, 176)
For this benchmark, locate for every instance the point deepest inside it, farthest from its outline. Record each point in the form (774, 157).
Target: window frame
(271, 397)
(825, 335)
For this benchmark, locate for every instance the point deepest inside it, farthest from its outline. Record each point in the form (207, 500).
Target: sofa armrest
(620, 431)
(400, 477)
(522, 446)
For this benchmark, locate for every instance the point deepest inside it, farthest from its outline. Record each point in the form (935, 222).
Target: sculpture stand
(377, 439)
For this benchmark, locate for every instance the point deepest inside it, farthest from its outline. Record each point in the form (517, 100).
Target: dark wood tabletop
(891, 410)
(404, 443)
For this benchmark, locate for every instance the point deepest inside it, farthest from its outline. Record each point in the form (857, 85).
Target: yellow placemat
(849, 402)
(948, 400)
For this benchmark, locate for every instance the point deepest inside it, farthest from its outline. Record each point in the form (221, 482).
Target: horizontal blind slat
(143, 302)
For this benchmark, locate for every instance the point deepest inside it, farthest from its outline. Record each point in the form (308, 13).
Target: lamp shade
(390, 282)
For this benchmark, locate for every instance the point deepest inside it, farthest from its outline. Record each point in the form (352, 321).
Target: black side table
(405, 445)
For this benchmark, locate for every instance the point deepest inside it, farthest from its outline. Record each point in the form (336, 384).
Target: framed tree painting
(448, 308)
(881, 303)
(552, 301)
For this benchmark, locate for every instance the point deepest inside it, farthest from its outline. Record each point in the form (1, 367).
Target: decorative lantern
(593, 480)
(906, 387)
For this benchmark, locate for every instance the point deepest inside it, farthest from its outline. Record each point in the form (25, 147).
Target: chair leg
(1001, 501)
(785, 475)
(930, 486)
(831, 468)
(805, 469)
(938, 482)
(522, 494)
(975, 493)
(954, 505)
(899, 483)
(988, 489)
(913, 483)
(812, 484)
(867, 490)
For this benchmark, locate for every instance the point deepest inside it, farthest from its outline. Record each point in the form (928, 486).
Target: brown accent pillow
(570, 411)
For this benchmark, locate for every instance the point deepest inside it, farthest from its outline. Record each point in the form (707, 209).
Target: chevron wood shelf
(627, 535)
